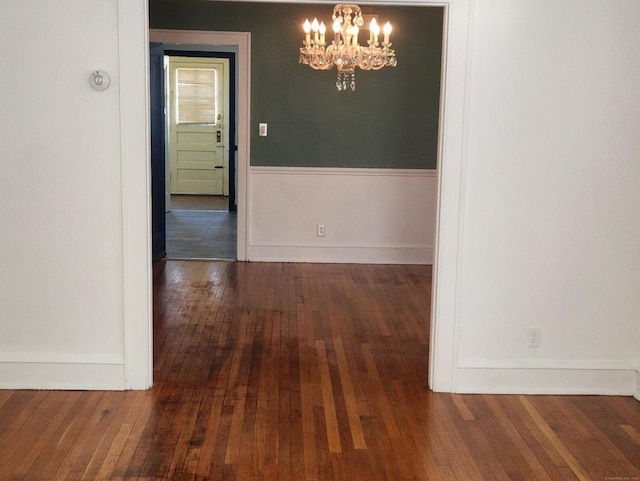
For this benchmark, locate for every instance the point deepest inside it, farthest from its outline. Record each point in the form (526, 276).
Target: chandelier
(345, 53)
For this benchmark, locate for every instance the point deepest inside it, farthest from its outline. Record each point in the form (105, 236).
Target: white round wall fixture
(99, 80)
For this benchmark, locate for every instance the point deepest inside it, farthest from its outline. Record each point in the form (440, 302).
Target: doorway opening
(451, 121)
(201, 220)
(195, 210)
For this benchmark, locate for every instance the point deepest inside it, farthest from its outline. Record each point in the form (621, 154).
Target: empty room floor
(314, 372)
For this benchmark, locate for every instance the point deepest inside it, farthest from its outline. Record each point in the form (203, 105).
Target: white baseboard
(574, 377)
(21, 371)
(343, 254)
(636, 393)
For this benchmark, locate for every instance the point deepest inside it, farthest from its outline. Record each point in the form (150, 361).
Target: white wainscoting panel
(383, 216)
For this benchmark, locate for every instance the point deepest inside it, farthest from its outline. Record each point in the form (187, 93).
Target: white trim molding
(565, 364)
(343, 254)
(133, 55)
(450, 206)
(61, 371)
(344, 171)
(546, 377)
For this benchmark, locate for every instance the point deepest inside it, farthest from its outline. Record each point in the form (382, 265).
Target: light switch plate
(262, 130)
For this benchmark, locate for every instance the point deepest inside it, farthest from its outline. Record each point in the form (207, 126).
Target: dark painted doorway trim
(157, 131)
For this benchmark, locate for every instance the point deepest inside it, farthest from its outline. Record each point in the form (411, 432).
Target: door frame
(241, 41)
(448, 264)
(158, 144)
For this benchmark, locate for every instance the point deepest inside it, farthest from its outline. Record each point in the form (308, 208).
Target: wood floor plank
(305, 372)
(496, 462)
(517, 441)
(115, 450)
(555, 441)
(633, 434)
(425, 440)
(381, 398)
(25, 456)
(70, 442)
(456, 441)
(4, 397)
(463, 409)
(602, 422)
(351, 403)
(14, 416)
(64, 436)
(553, 463)
(235, 434)
(331, 420)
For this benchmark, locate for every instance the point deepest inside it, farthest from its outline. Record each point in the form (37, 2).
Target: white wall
(551, 195)
(62, 282)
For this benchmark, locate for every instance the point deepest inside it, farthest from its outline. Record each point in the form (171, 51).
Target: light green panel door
(198, 126)
(198, 166)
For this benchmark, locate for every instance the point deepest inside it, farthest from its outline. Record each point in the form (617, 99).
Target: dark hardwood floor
(306, 372)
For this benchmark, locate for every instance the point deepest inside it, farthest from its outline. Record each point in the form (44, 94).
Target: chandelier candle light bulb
(374, 31)
(307, 30)
(387, 33)
(345, 53)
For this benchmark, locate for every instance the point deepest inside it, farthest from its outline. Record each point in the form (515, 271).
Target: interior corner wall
(61, 282)
(550, 226)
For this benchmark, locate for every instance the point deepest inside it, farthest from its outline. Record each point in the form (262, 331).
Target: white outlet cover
(534, 336)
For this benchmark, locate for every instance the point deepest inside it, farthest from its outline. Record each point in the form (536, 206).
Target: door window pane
(196, 96)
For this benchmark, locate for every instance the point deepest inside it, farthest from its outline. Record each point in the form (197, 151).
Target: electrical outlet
(321, 230)
(534, 336)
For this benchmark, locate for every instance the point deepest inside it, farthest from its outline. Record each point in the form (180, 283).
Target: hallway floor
(201, 227)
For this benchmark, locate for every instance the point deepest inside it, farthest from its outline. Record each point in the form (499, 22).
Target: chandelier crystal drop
(345, 53)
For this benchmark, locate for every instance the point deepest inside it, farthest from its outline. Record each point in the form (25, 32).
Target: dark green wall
(390, 121)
